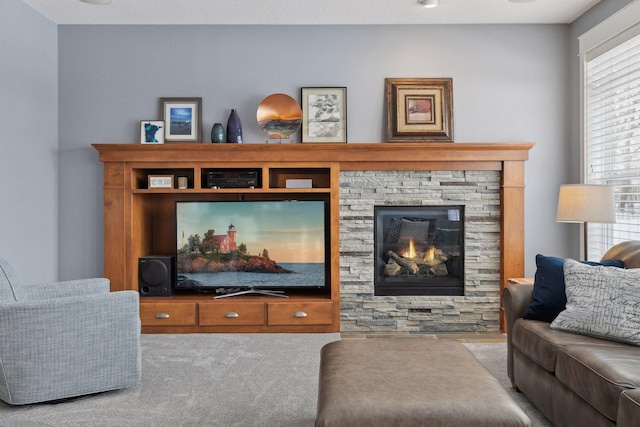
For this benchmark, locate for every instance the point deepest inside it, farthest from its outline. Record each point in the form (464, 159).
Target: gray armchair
(66, 339)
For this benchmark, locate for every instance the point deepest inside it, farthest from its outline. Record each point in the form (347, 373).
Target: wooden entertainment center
(139, 221)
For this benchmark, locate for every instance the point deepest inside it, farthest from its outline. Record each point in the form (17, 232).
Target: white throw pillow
(601, 302)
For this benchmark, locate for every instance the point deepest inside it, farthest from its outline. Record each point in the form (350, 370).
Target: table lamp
(584, 203)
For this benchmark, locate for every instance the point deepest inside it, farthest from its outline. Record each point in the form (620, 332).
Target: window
(610, 66)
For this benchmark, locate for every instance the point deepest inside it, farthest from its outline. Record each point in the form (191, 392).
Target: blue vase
(217, 133)
(234, 128)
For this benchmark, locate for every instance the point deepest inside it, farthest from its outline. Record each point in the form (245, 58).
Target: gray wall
(509, 83)
(28, 142)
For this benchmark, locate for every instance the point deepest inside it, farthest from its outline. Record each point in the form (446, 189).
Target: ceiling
(310, 12)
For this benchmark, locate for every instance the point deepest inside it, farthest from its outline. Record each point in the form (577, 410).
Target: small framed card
(160, 181)
(152, 131)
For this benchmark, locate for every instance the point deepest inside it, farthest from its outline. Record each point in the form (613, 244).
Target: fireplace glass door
(419, 250)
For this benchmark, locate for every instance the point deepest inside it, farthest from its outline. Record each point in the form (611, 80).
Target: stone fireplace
(419, 250)
(476, 306)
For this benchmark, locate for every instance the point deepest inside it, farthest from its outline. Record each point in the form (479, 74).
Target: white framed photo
(152, 131)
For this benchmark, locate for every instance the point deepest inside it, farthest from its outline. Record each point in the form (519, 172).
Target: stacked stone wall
(478, 310)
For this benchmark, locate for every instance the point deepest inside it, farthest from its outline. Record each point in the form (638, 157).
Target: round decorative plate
(279, 116)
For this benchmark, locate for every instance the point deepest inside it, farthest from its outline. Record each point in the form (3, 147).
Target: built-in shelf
(139, 221)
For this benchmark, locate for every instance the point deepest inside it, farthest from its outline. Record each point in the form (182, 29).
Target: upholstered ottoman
(410, 382)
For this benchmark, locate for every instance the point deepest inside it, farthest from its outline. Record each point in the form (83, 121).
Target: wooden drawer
(302, 313)
(216, 313)
(168, 313)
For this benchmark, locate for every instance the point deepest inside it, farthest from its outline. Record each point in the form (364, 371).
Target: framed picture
(152, 131)
(182, 118)
(160, 181)
(419, 110)
(324, 114)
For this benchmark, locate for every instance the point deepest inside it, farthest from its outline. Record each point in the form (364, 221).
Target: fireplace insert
(419, 250)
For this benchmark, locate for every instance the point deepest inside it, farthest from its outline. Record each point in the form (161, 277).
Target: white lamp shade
(586, 203)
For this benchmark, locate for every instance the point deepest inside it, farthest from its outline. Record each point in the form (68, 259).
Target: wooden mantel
(508, 158)
(354, 156)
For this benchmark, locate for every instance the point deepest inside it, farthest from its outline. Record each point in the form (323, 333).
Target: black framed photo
(152, 131)
(419, 110)
(324, 114)
(182, 118)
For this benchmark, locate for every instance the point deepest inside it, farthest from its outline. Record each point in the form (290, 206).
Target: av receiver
(233, 178)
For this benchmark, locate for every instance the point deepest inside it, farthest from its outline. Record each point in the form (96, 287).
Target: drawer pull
(162, 315)
(231, 315)
(300, 314)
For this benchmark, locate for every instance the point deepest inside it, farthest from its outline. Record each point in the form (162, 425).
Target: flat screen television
(231, 247)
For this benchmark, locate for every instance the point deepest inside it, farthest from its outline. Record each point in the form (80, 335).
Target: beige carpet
(225, 380)
(494, 357)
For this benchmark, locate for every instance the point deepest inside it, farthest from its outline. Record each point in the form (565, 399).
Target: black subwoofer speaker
(155, 275)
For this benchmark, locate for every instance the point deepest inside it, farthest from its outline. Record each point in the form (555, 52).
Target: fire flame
(411, 253)
(430, 254)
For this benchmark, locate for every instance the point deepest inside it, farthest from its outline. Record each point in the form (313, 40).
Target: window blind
(612, 138)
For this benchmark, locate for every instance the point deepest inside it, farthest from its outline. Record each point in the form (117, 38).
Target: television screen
(250, 244)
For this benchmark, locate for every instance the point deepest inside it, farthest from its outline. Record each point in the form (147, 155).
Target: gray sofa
(574, 379)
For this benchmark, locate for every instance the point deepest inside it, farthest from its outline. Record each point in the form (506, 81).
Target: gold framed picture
(419, 109)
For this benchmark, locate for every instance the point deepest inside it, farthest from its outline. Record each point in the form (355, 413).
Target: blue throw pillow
(549, 297)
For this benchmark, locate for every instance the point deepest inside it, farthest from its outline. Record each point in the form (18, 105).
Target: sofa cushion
(540, 343)
(549, 297)
(601, 302)
(599, 373)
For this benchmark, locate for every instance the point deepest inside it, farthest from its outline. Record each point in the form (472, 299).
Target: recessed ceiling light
(521, 1)
(96, 1)
(428, 3)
